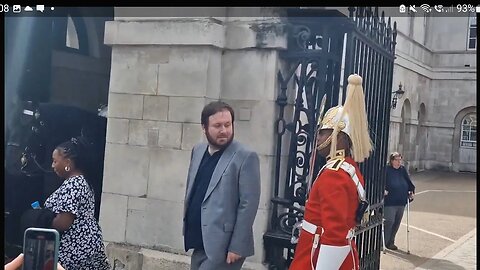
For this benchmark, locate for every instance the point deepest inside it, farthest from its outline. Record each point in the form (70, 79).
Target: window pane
(72, 36)
(473, 136)
(472, 43)
(473, 32)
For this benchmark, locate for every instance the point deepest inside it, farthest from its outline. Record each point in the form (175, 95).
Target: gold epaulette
(334, 164)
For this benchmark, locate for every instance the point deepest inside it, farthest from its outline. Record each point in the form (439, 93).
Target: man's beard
(213, 143)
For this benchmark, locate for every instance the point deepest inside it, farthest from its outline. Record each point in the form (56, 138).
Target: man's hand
(386, 192)
(232, 257)
(410, 196)
(18, 261)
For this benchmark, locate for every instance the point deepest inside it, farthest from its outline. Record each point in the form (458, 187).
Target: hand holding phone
(16, 264)
(40, 249)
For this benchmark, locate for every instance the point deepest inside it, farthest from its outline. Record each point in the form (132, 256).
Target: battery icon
(477, 9)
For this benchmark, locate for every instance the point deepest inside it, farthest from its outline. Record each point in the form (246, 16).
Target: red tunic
(332, 203)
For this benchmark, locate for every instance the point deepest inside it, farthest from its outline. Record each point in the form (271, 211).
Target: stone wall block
(249, 75)
(113, 217)
(168, 174)
(126, 170)
(258, 132)
(155, 108)
(176, 31)
(117, 131)
(191, 135)
(186, 73)
(125, 106)
(155, 133)
(185, 109)
(135, 69)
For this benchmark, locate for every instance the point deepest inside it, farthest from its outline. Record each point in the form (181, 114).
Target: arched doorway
(58, 59)
(464, 156)
(80, 60)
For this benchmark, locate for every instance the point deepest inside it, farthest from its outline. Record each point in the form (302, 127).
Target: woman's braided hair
(79, 150)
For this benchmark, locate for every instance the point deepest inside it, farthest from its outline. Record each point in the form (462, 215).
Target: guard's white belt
(309, 227)
(312, 228)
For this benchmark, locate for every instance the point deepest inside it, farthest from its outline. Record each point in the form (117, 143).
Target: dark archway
(56, 59)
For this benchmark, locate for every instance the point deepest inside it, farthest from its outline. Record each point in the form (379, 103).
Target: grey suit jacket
(230, 203)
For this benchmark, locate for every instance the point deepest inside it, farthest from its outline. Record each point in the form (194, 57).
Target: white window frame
(468, 126)
(472, 26)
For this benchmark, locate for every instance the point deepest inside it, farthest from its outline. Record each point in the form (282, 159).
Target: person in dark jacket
(398, 189)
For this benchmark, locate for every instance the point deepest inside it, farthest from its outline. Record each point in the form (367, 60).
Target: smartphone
(40, 249)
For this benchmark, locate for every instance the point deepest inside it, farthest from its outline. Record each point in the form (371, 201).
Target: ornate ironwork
(314, 58)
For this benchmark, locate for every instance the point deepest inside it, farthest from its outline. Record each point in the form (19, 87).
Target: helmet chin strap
(325, 143)
(328, 141)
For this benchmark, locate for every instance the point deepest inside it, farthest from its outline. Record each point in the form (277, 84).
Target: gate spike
(370, 21)
(389, 31)
(382, 29)
(350, 12)
(394, 41)
(375, 25)
(360, 17)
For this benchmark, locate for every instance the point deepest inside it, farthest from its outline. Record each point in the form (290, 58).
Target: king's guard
(336, 202)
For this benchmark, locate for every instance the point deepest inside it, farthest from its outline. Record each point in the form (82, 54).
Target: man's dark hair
(214, 107)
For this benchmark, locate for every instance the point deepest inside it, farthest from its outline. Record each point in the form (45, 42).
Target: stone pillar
(164, 70)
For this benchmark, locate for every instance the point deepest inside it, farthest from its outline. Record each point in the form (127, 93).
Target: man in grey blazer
(222, 195)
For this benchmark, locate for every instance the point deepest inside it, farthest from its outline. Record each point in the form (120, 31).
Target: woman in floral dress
(81, 243)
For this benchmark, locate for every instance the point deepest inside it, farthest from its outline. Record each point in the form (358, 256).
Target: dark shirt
(193, 221)
(398, 184)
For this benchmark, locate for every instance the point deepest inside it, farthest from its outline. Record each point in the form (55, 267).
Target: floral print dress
(81, 246)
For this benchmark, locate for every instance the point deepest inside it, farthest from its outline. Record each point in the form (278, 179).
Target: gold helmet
(351, 119)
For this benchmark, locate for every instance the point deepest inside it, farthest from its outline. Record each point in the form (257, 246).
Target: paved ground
(442, 225)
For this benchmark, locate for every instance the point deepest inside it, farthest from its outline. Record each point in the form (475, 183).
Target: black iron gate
(324, 47)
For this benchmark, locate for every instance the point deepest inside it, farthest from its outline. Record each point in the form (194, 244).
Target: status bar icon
(17, 8)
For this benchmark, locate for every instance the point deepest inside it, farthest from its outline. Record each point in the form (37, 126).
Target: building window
(469, 131)
(71, 39)
(472, 32)
(70, 33)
